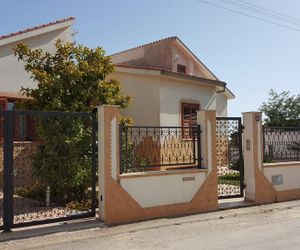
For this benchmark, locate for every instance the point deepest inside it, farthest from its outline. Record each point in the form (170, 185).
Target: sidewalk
(42, 236)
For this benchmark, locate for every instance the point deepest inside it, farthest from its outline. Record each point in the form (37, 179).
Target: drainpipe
(215, 94)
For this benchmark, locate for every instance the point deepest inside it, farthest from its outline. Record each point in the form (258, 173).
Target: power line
(271, 11)
(261, 12)
(248, 15)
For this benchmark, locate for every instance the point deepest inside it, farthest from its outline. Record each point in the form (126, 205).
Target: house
(168, 84)
(12, 73)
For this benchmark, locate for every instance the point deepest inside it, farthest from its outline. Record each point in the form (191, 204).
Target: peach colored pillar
(258, 188)
(108, 153)
(207, 121)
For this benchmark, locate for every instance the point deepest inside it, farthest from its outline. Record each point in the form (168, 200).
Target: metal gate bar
(8, 213)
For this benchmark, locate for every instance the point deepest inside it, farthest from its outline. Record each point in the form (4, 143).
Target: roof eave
(22, 35)
(229, 94)
(194, 78)
(162, 72)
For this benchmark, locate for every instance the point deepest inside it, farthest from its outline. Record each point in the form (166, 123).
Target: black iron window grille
(281, 143)
(148, 148)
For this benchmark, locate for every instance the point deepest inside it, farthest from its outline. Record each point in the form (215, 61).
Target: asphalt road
(275, 226)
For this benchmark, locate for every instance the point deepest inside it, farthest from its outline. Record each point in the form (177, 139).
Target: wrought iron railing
(229, 156)
(281, 143)
(149, 148)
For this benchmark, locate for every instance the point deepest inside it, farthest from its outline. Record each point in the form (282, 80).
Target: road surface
(275, 226)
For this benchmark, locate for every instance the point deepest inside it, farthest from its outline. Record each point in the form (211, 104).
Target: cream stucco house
(168, 84)
(12, 73)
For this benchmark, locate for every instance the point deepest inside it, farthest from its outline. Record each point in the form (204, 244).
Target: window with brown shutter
(189, 116)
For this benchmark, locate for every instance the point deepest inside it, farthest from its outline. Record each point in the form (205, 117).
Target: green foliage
(282, 109)
(294, 146)
(36, 192)
(83, 205)
(267, 160)
(130, 161)
(125, 121)
(73, 78)
(231, 179)
(236, 165)
(64, 158)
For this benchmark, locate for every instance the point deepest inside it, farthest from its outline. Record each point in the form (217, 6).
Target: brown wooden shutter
(189, 117)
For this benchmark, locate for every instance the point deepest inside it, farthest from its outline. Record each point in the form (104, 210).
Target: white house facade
(12, 73)
(168, 84)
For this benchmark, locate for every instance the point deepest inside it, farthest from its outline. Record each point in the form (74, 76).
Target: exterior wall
(173, 92)
(23, 152)
(258, 176)
(157, 99)
(163, 54)
(12, 73)
(290, 172)
(163, 189)
(141, 196)
(157, 55)
(180, 56)
(221, 104)
(144, 109)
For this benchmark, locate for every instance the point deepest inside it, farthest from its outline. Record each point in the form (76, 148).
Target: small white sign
(277, 179)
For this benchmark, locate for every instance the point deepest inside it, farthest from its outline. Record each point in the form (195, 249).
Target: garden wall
(266, 182)
(154, 194)
(284, 177)
(23, 152)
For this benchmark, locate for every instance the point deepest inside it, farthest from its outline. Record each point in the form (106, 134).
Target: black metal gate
(49, 167)
(229, 157)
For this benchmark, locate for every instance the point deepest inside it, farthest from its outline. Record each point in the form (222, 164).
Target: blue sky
(251, 56)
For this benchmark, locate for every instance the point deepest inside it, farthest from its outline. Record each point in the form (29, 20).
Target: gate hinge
(242, 128)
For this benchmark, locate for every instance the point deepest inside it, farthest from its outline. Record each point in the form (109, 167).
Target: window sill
(191, 170)
(282, 164)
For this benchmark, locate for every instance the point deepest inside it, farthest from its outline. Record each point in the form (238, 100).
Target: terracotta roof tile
(36, 27)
